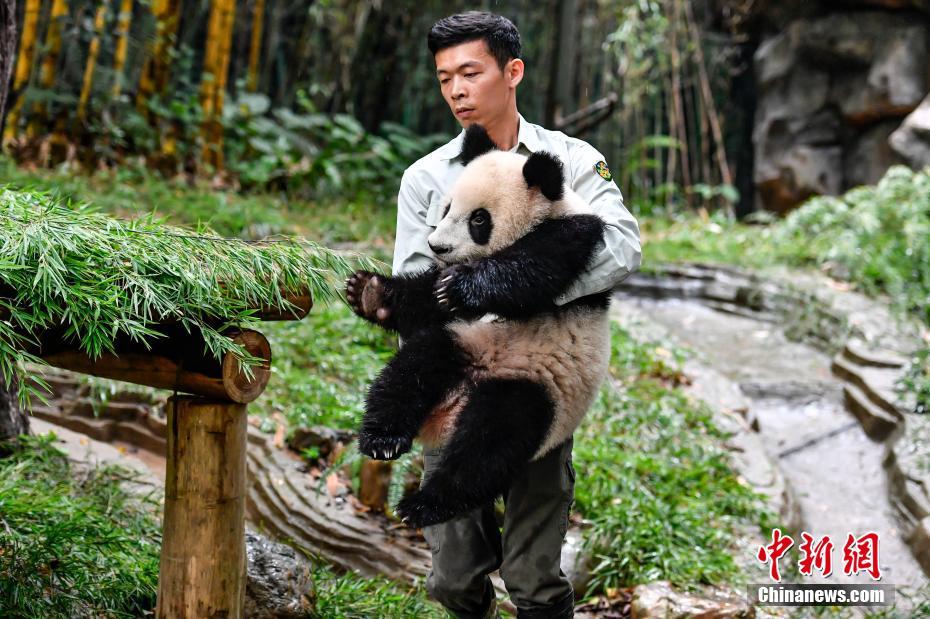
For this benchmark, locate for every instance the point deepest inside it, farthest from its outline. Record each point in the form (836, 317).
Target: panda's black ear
(476, 143)
(544, 170)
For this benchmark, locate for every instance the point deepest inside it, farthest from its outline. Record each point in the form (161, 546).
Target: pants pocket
(433, 538)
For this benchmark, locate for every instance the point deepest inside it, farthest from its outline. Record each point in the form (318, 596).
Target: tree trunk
(23, 63)
(13, 421)
(7, 48)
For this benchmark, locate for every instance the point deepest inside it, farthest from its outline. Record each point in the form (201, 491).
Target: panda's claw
(383, 447)
(422, 509)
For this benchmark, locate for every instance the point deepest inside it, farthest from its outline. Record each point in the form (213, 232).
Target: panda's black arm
(527, 277)
(411, 303)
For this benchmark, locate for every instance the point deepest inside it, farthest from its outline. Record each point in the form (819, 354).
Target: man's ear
(544, 170)
(476, 143)
(514, 71)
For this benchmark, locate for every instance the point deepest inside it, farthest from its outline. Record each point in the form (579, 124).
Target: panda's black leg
(498, 431)
(428, 366)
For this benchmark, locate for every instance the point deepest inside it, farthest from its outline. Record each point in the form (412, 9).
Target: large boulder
(832, 85)
(911, 141)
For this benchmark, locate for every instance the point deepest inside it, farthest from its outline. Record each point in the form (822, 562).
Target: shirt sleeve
(621, 253)
(411, 250)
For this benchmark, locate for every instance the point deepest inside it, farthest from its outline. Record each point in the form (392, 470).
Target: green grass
(347, 596)
(322, 367)
(130, 191)
(655, 481)
(72, 545)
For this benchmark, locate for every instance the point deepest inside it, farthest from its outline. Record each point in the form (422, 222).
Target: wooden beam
(301, 303)
(203, 562)
(179, 362)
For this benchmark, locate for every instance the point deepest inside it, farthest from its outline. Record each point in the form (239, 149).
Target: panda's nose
(440, 249)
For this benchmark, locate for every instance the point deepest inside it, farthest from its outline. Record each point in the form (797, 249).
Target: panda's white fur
(566, 352)
(494, 181)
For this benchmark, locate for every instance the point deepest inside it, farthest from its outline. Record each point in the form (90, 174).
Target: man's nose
(458, 87)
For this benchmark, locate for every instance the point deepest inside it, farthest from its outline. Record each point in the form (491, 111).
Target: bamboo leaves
(101, 278)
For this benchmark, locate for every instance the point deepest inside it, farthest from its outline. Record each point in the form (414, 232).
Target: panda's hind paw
(421, 509)
(383, 447)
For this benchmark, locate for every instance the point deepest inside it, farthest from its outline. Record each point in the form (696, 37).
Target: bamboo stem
(24, 64)
(122, 45)
(47, 69)
(154, 76)
(679, 115)
(213, 86)
(99, 21)
(255, 50)
(708, 97)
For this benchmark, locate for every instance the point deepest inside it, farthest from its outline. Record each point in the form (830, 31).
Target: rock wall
(834, 81)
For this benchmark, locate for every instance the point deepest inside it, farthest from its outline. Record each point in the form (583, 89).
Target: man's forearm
(615, 260)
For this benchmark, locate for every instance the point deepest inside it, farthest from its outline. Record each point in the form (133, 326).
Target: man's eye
(470, 74)
(444, 81)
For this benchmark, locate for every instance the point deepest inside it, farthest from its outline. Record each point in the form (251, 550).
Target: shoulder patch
(602, 170)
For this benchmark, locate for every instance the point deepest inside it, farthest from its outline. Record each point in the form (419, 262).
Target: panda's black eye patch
(479, 226)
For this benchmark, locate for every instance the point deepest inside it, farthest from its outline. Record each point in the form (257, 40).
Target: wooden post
(202, 572)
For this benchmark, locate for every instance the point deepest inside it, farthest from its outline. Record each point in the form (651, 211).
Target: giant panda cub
(491, 369)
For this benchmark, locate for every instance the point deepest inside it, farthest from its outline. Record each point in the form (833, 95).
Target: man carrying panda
(478, 65)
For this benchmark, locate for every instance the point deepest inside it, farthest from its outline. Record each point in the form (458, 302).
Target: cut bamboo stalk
(203, 562)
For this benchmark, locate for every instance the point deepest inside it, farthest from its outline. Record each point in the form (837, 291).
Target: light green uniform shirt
(419, 206)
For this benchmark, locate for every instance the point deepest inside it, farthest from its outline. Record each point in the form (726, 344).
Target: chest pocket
(434, 213)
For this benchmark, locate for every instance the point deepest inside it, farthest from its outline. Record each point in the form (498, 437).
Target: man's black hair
(498, 32)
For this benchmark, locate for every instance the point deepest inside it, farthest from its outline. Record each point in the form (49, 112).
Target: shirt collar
(526, 136)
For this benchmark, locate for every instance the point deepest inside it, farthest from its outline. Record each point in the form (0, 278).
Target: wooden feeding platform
(203, 561)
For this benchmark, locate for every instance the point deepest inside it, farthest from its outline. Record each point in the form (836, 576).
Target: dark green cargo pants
(468, 548)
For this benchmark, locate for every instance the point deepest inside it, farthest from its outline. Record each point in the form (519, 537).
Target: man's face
(475, 88)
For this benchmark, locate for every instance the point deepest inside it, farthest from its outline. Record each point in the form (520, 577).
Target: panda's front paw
(366, 294)
(451, 288)
(380, 447)
(423, 509)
